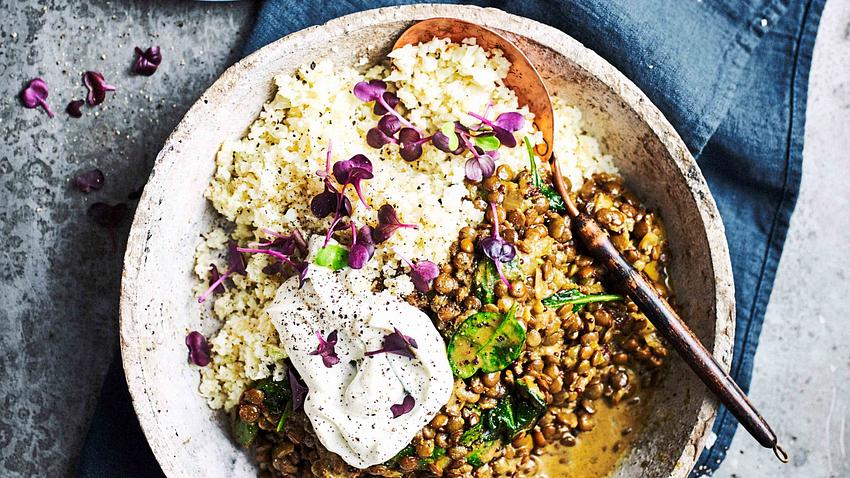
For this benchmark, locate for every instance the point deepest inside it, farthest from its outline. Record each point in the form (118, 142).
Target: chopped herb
(578, 299)
(486, 341)
(276, 394)
(485, 279)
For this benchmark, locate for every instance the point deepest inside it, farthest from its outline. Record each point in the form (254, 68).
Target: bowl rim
(540, 33)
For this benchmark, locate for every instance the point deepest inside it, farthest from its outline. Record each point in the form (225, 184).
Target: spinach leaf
(277, 394)
(486, 341)
(485, 279)
(578, 299)
(556, 202)
(482, 453)
(244, 433)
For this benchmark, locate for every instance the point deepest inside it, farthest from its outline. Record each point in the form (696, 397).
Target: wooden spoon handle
(675, 331)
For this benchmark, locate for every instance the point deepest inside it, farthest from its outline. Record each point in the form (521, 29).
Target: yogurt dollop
(349, 403)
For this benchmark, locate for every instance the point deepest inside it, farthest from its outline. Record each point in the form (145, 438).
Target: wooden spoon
(524, 79)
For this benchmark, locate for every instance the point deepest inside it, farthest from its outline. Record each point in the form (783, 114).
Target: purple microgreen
(235, 265)
(286, 244)
(215, 278)
(325, 349)
(377, 138)
(422, 273)
(404, 407)
(35, 95)
(479, 167)
(385, 102)
(73, 108)
(496, 248)
(89, 180)
(326, 174)
(382, 134)
(109, 217)
(389, 125)
(396, 343)
(235, 262)
(352, 172)
(369, 91)
(97, 87)
(147, 61)
(360, 251)
(330, 201)
(386, 105)
(504, 126)
(199, 349)
(365, 238)
(448, 130)
(411, 143)
(298, 389)
(388, 224)
(511, 121)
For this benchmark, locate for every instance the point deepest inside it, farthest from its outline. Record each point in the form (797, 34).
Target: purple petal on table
(147, 61)
(35, 95)
(89, 180)
(74, 108)
(97, 87)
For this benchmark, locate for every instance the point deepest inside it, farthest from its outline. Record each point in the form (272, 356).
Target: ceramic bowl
(158, 307)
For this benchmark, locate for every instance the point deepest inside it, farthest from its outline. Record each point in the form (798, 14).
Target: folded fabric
(730, 75)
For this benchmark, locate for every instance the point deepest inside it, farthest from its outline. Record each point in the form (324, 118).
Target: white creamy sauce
(349, 403)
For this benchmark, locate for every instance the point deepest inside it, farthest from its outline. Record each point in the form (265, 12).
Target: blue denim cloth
(730, 75)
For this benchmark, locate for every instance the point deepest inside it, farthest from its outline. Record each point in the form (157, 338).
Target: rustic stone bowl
(158, 307)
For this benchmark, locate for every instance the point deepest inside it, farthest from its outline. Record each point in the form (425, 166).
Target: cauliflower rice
(266, 181)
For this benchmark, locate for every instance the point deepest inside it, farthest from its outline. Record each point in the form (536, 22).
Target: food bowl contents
(397, 285)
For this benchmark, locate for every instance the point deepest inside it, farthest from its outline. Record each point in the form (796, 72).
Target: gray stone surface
(60, 277)
(58, 273)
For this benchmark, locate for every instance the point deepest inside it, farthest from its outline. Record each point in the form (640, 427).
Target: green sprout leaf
(487, 142)
(556, 202)
(332, 256)
(448, 129)
(578, 299)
